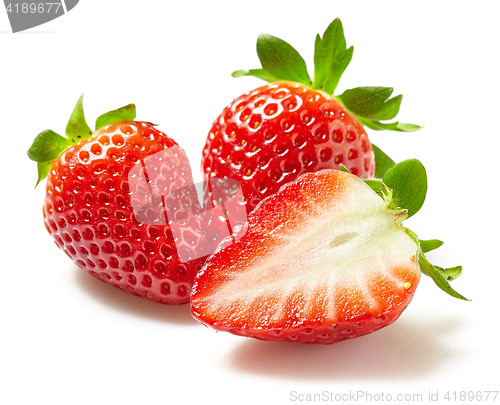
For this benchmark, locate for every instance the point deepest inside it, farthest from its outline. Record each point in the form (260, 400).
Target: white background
(66, 338)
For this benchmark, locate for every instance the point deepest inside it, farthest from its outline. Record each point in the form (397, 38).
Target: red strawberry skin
(89, 212)
(273, 134)
(322, 261)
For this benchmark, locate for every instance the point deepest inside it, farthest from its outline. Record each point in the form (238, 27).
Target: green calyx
(403, 187)
(373, 106)
(48, 145)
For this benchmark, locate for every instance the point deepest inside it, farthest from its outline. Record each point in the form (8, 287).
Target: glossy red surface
(89, 212)
(273, 134)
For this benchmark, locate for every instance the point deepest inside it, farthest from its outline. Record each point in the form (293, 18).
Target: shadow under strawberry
(130, 304)
(405, 351)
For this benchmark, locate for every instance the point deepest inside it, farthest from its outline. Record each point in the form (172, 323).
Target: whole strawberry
(325, 259)
(111, 207)
(273, 134)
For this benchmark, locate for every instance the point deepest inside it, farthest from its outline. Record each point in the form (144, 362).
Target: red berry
(294, 125)
(89, 212)
(323, 260)
(121, 203)
(273, 134)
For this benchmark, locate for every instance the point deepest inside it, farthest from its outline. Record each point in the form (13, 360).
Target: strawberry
(121, 204)
(323, 260)
(273, 134)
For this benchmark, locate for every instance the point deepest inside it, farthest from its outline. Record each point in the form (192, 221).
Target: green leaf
(431, 244)
(343, 168)
(77, 128)
(280, 60)
(258, 73)
(388, 110)
(451, 273)
(439, 275)
(375, 185)
(123, 113)
(392, 126)
(331, 57)
(408, 180)
(382, 162)
(43, 170)
(407, 127)
(47, 146)
(372, 102)
(386, 194)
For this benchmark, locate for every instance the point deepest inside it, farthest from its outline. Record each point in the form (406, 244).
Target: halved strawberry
(324, 259)
(271, 135)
